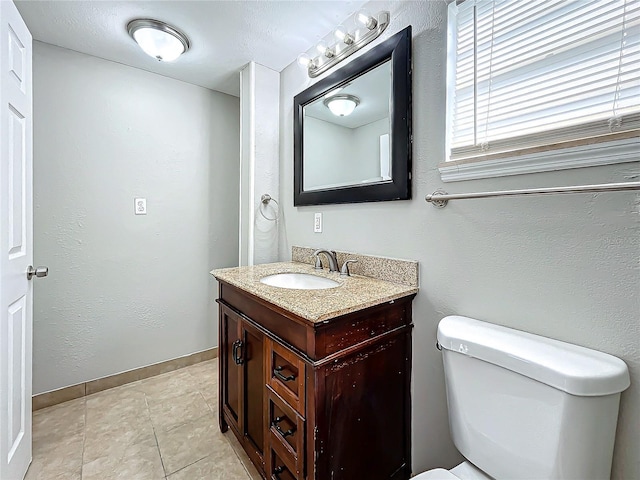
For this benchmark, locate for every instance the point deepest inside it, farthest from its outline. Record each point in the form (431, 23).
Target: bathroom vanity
(315, 384)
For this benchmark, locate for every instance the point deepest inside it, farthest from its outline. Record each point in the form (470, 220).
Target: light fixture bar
(313, 69)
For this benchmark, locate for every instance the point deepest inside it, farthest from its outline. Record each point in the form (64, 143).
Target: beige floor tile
(170, 413)
(211, 397)
(57, 424)
(115, 404)
(242, 456)
(168, 385)
(140, 461)
(34, 473)
(208, 388)
(57, 459)
(188, 443)
(205, 374)
(141, 431)
(113, 439)
(207, 369)
(213, 467)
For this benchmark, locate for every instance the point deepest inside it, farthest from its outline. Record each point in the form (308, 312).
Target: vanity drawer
(286, 375)
(278, 469)
(286, 432)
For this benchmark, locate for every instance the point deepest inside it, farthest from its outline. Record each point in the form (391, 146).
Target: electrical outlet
(317, 223)
(140, 206)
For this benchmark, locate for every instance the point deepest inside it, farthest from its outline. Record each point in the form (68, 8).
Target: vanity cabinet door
(253, 391)
(230, 370)
(242, 389)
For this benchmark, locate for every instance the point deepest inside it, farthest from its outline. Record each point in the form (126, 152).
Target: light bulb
(324, 50)
(158, 44)
(321, 47)
(366, 19)
(343, 35)
(304, 60)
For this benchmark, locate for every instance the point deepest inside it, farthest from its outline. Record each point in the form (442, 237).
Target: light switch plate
(317, 223)
(140, 206)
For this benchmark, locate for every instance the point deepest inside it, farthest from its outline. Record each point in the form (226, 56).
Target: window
(541, 85)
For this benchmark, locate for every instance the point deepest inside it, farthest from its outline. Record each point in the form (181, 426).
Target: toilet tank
(522, 406)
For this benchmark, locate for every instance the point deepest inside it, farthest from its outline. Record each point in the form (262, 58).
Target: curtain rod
(440, 198)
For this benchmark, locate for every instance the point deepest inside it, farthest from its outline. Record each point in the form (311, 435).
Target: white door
(16, 253)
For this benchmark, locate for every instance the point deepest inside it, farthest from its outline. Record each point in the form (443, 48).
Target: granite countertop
(354, 293)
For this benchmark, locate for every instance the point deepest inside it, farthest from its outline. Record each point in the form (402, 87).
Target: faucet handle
(344, 272)
(318, 264)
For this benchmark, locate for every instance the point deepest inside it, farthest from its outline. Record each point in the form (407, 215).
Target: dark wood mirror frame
(397, 49)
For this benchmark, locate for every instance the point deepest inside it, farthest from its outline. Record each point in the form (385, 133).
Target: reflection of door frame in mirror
(385, 166)
(397, 50)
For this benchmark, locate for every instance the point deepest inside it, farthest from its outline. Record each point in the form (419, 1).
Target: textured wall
(126, 291)
(259, 148)
(561, 266)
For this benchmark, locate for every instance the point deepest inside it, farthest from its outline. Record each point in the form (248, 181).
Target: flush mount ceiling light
(342, 105)
(157, 39)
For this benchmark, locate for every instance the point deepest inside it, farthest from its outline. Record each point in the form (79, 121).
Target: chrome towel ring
(264, 202)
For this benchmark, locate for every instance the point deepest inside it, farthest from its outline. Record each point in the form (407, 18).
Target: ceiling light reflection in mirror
(341, 105)
(346, 133)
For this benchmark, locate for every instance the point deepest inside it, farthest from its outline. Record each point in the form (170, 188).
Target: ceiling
(224, 35)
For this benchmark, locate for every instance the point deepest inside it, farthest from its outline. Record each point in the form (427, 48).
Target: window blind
(529, 74)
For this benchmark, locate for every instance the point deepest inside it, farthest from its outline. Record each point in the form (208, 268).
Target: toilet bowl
(523, 406)
(464, 471)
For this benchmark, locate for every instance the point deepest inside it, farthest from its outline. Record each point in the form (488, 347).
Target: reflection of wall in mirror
(350, 157)
(325, 155)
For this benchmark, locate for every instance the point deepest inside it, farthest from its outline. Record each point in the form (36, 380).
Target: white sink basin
(299, 281)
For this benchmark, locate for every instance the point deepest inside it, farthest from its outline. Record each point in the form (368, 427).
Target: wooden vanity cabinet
(317, 401)
(241, 401)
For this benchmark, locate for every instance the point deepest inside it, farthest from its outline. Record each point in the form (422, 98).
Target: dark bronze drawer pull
(284, 434)
(237, 345)
(276, 372)
(277, 471)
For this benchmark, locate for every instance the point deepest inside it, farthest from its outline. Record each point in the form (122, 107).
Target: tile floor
(163, 427)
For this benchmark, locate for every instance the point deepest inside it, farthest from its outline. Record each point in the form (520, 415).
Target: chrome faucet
(331, 256)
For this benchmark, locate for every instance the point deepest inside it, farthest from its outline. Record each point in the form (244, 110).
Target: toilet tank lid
(571, 368)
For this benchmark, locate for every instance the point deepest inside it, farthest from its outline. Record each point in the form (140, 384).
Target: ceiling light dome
(157, 39)
(342, 105)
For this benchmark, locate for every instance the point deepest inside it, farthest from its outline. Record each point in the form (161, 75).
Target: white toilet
(523, 406)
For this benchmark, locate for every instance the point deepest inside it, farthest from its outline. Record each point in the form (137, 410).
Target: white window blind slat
(556, 69)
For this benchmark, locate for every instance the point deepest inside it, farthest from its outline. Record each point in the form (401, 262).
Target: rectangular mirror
(352, 130)
(354, 117)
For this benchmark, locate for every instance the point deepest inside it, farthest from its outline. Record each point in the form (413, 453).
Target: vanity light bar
(349, 43)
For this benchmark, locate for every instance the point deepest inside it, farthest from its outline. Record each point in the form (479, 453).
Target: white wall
(330, 163)
(352, 155)
(560, 266)
(126, 291)
(259, 147)
(366, 147)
